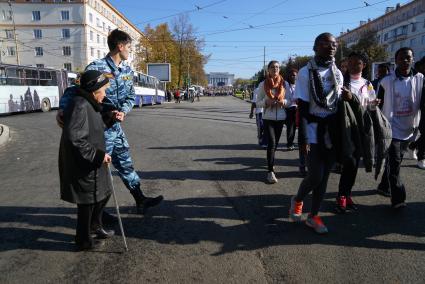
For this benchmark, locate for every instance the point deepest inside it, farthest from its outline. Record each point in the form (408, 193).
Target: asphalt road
(220, 222)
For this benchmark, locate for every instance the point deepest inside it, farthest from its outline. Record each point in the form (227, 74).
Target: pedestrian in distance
(383, 70)
(319, 89)
(402, 101)
(262, 138)
(118, 102)
(418, 145)
(271, 97)
(291, 108)
(83, 169)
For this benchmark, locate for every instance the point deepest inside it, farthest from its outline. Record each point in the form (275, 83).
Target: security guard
(118, 102)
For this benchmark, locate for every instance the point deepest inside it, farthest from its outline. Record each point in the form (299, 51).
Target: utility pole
(264, 62)
(14, 33)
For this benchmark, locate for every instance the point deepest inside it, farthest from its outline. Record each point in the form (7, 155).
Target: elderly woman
(83, 170)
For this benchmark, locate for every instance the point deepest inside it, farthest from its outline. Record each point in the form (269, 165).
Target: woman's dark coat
(84, 178)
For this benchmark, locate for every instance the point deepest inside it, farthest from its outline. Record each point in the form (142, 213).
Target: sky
(236, 31)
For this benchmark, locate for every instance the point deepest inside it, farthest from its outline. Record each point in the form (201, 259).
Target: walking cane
(118, 209)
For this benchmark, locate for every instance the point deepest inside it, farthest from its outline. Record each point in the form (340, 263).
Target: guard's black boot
(143, 202)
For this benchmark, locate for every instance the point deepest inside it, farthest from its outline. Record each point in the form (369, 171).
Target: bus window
(54, 81)
(45, 78)
(2, 76)
(31, 76)
(12, 77)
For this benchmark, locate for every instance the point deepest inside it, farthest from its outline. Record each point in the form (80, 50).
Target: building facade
(62, 34)
(400, 26)
(219, 79)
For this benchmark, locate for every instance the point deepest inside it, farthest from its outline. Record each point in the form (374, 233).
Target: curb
(4, 134)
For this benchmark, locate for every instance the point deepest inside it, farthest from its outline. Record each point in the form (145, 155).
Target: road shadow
(234, 223)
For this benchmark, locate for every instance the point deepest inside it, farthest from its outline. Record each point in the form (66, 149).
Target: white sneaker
(271, 178)
(421, 164)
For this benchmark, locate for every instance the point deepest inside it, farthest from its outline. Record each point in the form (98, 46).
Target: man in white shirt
(400, 94)
(318, 90)
(262, 138)
(291, 108)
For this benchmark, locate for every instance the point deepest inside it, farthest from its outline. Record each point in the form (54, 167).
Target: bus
(149, 90)
(27, 89)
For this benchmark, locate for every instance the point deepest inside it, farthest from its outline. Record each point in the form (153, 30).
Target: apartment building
(65, 34)
(400, 26)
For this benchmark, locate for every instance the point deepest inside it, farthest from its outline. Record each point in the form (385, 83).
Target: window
(11, 51)
(413, 27)
(91, 17)
(385, 36)
(36, 16)
(9, 34)
(423, 39)
(103, 26)
(98, 54)
(39, 65)
(66, 33)
(392, 47)
(413, 42)
(66, 50)
(67, 66)
(91, 35)
(7, 15)
(91, 51)
(65, 15)
(424, 23)
(97, 22)
(98, 38)
(38, 51)
(38, 33)
(109, 29)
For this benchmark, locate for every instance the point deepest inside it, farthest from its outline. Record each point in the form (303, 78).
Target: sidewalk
(4, 134)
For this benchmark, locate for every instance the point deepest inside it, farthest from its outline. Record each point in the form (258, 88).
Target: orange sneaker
(316, 223)
(296, 210)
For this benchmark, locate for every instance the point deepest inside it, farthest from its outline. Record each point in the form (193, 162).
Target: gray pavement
(220, 222)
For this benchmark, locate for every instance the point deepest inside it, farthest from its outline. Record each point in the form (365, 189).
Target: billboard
(162, 71)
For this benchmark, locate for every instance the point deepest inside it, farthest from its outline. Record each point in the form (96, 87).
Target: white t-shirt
(290, 94)
(401, 103)
(363, 90)
(254, 99)
(302, 91)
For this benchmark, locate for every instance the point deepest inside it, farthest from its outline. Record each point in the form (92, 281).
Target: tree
(181, 48)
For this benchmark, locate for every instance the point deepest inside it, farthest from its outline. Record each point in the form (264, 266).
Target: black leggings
(348, 176)
(89, 218)
(290, 125)
(273, 130)
(319, 167)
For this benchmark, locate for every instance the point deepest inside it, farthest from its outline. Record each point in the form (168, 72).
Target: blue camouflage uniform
(119, 96)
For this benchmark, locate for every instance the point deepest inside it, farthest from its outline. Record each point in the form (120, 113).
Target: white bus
(148, 89)
(26, 88)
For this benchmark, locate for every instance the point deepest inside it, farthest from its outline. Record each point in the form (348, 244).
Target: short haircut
(291, 70)
(384, 65)
(321, 37)
(363, 57)
(116, 37)
(271, 63)
(403, 49)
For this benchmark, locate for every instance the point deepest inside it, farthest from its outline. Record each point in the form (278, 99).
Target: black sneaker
(383, 192)
(108, 219)
(398, 205)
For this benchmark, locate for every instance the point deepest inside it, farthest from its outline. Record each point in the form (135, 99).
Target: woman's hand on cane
(107, 159)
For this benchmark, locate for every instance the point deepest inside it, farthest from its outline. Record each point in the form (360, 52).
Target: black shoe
(108, 219)
(102, 233)
(398, 205)
(87, 246)
(143, 202)
(383, 192)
